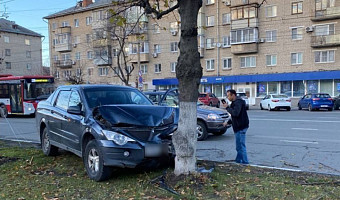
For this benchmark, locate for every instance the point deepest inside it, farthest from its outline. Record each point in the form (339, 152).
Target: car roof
(89, 86)
(154, 92)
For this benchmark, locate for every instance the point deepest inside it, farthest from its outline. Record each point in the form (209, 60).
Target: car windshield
(111, 95)
(199, 103)
(322, 96)
(202, 95)
(280, 96)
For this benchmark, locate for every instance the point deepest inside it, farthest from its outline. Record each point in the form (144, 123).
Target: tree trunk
(188, 73)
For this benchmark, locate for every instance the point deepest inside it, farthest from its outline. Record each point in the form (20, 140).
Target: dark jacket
(239, 115)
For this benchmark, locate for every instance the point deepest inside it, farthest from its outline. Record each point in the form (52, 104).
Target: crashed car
(108, 126)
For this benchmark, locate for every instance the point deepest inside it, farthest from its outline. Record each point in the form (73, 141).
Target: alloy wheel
(93, 160)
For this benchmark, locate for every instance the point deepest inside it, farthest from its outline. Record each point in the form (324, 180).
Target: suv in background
(244, 97)
(209, 99)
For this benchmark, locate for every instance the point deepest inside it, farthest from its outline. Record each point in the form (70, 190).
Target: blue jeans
(240, 138)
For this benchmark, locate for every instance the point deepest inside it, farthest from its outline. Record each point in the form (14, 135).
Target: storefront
(293, 85)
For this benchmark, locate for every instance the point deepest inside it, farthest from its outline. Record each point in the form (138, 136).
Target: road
(298, 140)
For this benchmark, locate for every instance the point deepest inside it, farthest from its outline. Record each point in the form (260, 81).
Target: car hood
(135, 115)
(208, 109)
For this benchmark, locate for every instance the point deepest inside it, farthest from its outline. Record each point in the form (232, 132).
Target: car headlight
(118, 138)
(213, 116)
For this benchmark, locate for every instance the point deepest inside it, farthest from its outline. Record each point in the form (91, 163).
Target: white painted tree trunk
(185, 139)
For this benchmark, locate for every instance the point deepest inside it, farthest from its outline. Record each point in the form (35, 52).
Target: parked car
(316, 101)
(244, 97)
(276, 101)
(155, 96)
(209, 99)
(108, 126)
(336, 102)
(209, 119)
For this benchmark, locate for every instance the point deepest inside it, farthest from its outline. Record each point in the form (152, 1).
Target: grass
(25, 173)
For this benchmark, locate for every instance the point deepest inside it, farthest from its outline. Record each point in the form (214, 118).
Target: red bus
(20, 95)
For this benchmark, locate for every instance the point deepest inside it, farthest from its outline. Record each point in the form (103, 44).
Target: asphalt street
(297, 140)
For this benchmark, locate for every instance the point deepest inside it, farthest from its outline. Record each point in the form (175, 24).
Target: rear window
(280, 96)
(241, 94)
(322, 96)
(202, 95)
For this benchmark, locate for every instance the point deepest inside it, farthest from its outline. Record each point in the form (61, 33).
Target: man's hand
(225, 104)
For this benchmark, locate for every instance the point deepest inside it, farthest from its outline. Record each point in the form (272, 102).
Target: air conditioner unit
(218, 45)
(174, 33)
(309, 29)
(74, 45)
(155, 55)
(226, 2)
(261, 40)
(73, 62)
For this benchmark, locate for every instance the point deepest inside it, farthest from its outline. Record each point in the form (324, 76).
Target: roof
(89, 86)
(23, 77)
(77, 8)
(12, 27)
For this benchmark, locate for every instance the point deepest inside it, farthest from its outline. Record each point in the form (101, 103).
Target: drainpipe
(218, 37)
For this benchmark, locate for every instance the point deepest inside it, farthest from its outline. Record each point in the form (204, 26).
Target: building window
(210, 64)
(174, 46)
(103, 71)
(158, 68)
(243, 13)
(27, 42)
(78, 72)
(244, 36)
(57, 74)
(76, 39)
(67, 73)
(114, 52)
(90, 71)
(226, 41)
(157, 48)
(144, 69)
(54, 26)
(210, 43)
(322, 5)
(6, 39)
(76, 22)
(156, 28)
(296, 58)
(88, 38)
(89, 55)
(7, 52)
(98, 15)
(210, 21)
(64, 24)
(77, 56)
(66, 56)
(327, 29)
(208, 2)
(226, 63)
(249, 61)
(286, 88)
(226, 18)
(8, 65)
(296, 7)
(271, 11)
(173, 66)
(174, 27)
(271, 36)
(271, 60)
(324, 56)
(297, 33)
(88, 21)
(28, 54)
(143, 48)
(28, 66)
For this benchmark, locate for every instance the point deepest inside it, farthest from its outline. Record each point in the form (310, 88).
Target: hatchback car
(108, 126)
(209, 99)
(316, 101)
(209, 119)
(276, 101)
(337, 102)
(244, 97)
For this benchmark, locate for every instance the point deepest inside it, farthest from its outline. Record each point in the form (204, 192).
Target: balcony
(243, 2)
(62, 30)
(63, 64)
(328, 14)
(244, 48)
(143, 57)
(99, 43)
(102, 61)
(138, 37)
(245, 23)
(63, 47)
(325, 41)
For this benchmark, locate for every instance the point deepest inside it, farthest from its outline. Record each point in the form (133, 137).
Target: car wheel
(288, 109)
(202, 132)
(261, 106)
(310, 107)
(210, 104)
(299, 106)
(269, 108)
(47, 148)
(94, 163)
(218, 105)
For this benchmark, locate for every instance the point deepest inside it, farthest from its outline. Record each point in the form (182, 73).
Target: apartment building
(20, 50)
(254, 46)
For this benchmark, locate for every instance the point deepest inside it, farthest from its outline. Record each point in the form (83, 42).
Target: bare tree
(188, 73)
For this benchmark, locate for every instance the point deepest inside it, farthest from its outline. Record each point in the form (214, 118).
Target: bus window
(4, 93)
(38, 90)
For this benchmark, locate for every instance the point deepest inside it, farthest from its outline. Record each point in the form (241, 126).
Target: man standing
(240, 123)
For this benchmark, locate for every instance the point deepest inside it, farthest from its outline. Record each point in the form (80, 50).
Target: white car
(276, 101)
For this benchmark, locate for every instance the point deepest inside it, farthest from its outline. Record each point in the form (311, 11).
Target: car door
(72, 125)
(58, 116)
(305, 101)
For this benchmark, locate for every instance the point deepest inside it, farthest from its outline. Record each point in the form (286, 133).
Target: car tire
(288, 109)
(261, 106)
(94, 163)
(47, 148)
(299, 106)
(202, 132)
(310, 107)
(218, 105)
(210, 104)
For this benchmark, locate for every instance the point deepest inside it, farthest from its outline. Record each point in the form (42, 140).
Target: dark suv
(108, 126)
(209, 119)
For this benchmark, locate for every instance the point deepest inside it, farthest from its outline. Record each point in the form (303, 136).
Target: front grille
(224, 115)
(146, 134)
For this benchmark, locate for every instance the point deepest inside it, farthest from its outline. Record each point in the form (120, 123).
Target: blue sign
(338, 86)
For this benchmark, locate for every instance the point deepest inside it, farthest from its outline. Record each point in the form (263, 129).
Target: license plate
(155, 150)
(322, 106)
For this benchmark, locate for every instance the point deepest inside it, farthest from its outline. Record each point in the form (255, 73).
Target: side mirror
(76, 110)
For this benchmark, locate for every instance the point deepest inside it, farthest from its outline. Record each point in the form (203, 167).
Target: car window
(62, 100)
(322, 96)
(171, 99)
(202, 95)
(75, 100)
(153, 97)
(280, 96)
